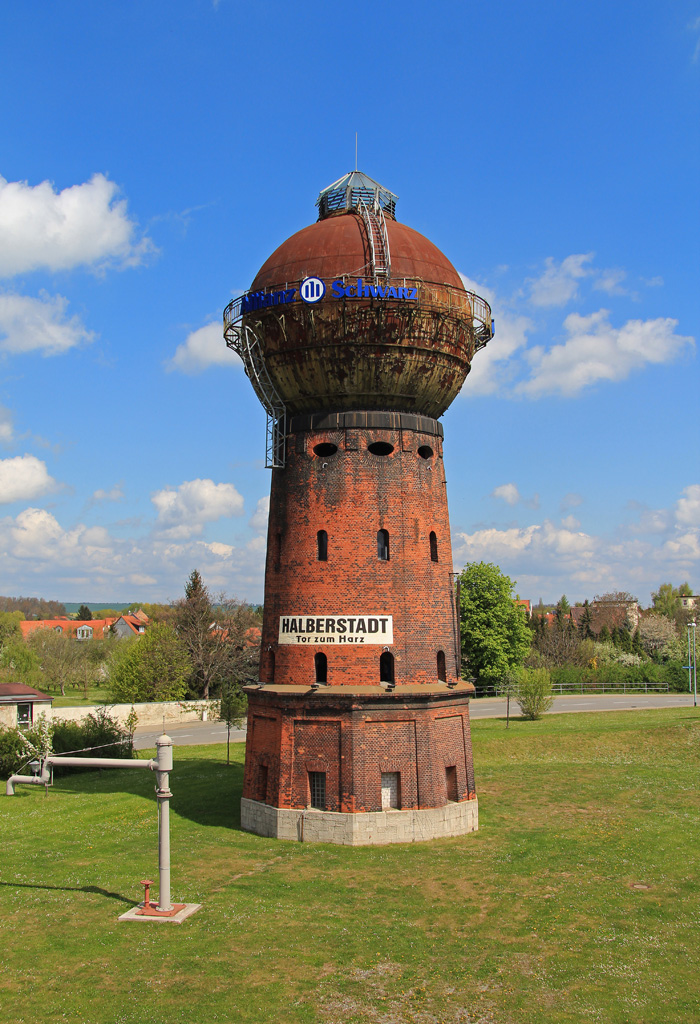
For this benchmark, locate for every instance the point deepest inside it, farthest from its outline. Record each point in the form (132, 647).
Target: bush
(14, 754)
(95, 730)
(534, 692)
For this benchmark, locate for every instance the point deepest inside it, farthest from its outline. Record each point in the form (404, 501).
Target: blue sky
(154, 154)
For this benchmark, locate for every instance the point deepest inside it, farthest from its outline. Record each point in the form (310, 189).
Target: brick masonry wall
(353, 740)
(351, 495)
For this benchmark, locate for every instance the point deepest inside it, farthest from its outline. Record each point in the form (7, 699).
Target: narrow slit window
(441, 666)
(262, 782)
(386, 667)
(383, 545)
(451, 783)
(322, 546)
(271, 667)
(321, 667)
(433, 546)
(317, 790)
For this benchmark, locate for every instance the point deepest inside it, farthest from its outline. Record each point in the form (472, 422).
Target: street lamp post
(695, 669)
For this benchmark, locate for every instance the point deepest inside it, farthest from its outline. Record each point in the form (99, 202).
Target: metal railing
(560, 689)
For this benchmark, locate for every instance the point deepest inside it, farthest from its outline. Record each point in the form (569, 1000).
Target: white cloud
(595, 351)
(221, 550)
(558, 284)
(23, 478)
(507, 492)
(203, 348)
(6, 429)
(537, 541)
(83, 225)
(37, 536)
(491, 368)
(610, 281)
(688, 507)
(258, 521)
(549, 560)
(183, 511)
(571, 500)
(29, 325)
(114, 494)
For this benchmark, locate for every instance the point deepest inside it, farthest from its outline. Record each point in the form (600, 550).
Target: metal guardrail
(431, 296)
(560, 689)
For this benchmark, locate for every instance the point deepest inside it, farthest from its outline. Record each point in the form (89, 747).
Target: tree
(658, 637)
(559, 644)
(83, 614)
(534, 692)
(494, 633)
(33, 607)
(232, 708)
(9, 627)
(222, 640)
(509, 689)
(154, 667)
(585, 629)
(58, 656)
(91, 656)
(667, 599)
(19, 663)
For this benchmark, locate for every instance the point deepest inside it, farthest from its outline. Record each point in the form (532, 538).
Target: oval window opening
(325, 448)
(380, 448)
(425, 451)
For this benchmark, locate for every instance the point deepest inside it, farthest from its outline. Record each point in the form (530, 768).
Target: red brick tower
(357, 334)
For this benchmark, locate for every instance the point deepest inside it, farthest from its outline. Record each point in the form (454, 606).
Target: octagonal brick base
(373, 828)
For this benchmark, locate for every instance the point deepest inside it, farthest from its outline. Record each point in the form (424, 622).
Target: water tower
(356, 334)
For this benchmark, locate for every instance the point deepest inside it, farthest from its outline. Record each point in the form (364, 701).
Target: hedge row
(96, 730)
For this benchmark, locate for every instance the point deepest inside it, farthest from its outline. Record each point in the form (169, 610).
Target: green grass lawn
(77, 698)
(533, 919)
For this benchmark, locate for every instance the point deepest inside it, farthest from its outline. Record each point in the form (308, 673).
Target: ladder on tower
(375, 226)
(246, 344)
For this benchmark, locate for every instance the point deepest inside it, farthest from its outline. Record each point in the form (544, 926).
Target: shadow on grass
(205, 791)
(73, 888)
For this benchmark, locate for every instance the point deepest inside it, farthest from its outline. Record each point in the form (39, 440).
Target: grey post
(164, 761)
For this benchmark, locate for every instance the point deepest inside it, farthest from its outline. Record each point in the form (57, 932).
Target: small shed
(20, 705)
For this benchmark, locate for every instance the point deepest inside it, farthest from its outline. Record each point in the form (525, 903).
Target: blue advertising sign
(313, 289)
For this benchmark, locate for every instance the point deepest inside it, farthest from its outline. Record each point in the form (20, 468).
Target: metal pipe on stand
(164, 760)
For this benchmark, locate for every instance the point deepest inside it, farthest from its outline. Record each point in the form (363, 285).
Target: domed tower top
(350, 191)
(356, 312)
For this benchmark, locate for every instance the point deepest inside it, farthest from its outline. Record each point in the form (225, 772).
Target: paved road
(494, 707)
(487, 707)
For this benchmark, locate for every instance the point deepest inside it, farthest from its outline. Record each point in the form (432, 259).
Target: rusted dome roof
(337, 246)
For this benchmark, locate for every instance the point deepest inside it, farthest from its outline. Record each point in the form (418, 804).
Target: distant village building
(131, 625)
(615, 614)
(79, 630)
(20, 705)
(89, 629)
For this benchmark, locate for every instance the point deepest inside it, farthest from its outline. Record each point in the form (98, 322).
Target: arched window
(386, 667)
(383, 545)
(433, 546)
(321, 666)
(271, 667)
(322, 546)
(441, 667)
